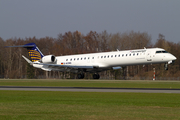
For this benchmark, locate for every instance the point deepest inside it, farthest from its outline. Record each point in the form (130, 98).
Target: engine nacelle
(49, 59)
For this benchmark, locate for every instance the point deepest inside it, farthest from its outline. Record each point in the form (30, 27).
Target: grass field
(46, 105)
(38, 105)
(92, 83)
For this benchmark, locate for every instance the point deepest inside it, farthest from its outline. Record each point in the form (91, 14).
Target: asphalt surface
(90, 89)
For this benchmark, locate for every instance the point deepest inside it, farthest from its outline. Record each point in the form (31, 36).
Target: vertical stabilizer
(34, 53)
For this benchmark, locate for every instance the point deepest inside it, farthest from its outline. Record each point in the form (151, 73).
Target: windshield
(161, 51)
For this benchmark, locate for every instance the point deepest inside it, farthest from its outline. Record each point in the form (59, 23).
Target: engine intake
(49, 59)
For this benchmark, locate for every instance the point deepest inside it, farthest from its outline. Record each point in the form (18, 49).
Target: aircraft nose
(173, 57)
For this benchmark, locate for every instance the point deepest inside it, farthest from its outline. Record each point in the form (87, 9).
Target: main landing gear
(96, 76)
(80, 75)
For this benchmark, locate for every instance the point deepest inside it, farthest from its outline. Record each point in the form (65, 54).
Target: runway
(90, 89)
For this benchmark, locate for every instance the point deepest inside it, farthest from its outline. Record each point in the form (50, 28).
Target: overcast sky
(41, 18)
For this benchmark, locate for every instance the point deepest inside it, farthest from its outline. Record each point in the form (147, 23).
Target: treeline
(12, 65)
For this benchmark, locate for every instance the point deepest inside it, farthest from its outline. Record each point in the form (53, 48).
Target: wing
(69, 68)
(27, 60)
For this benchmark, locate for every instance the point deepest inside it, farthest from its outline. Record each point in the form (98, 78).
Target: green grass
(46, 105)
(92, 83)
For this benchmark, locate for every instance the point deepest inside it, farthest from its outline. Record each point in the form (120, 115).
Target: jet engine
(49, 59)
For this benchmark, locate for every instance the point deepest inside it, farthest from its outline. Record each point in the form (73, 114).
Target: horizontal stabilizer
(24, 46)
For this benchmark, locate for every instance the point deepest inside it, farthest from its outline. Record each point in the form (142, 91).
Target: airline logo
(35, 55)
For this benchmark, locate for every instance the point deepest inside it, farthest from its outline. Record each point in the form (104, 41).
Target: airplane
(96, 62)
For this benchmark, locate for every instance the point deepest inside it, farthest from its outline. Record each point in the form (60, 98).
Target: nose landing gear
(166, 66)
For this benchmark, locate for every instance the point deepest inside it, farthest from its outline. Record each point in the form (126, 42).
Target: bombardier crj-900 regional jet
(96, 62)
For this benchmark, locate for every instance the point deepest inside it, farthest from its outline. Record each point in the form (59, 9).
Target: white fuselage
(117, 58)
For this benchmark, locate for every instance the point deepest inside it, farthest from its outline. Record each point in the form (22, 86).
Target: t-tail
(34, 53)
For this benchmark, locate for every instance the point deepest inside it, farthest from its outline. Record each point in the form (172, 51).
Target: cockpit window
(161, 51)
(164, 52)
(158, 51)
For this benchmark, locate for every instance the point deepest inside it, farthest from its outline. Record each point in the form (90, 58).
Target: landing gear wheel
(96, 76)
(80, 76)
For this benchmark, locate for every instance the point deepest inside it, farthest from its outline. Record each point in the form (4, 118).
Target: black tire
(96, 76)
(80, 76)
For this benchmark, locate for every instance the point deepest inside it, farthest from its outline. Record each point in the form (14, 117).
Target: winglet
(27, 60)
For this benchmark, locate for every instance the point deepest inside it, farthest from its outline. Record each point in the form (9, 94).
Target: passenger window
(101, 56)
(129, 54)
(118, 55)
(85, 58)
(74, 59)
(126, 54)
(111, 55)
(71, 59)
(108, 56)
(81, 58)
(66, 59)
(104, 56)
(92, 57)
(134, 54)
(77, 58)
(115, 55)
(122, 55)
